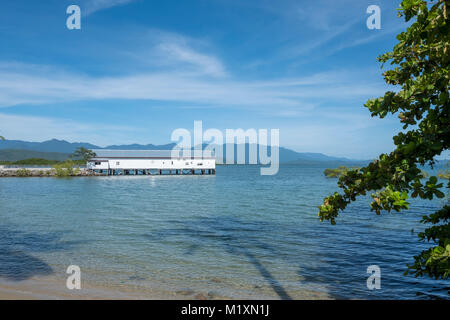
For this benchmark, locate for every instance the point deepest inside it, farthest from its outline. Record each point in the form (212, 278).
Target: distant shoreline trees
(337, 172)
(342, 170)
(83, 153)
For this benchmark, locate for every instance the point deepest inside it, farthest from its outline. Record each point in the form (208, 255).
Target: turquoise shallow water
(236, 234)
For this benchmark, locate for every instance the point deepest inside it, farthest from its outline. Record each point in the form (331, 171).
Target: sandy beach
(54, 289)
(51, 288)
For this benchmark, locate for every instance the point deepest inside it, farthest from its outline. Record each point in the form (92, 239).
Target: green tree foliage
(421, 60)
(31, 161)
(66, 169)
(23, 173)
(83, 153)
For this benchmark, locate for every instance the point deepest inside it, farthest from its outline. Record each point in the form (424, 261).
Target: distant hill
(285, 155)
(57, 149)
(135, 146)
(15, 155)
(63, 146)
(53, 145)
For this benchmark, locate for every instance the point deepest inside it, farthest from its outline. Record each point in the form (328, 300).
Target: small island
(341, 170)
(337, 172)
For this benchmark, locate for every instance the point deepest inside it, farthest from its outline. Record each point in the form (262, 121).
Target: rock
(185, 292)
(200, 296)
(44, 172)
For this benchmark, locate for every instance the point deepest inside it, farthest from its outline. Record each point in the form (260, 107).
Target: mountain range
(13, 150)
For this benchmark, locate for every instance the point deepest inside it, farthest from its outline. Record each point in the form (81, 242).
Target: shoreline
(41, 172)
(52, 288)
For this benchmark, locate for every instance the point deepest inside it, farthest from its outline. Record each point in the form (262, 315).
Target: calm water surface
(236, 234)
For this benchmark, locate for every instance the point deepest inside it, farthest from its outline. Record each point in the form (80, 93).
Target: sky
(139, 69)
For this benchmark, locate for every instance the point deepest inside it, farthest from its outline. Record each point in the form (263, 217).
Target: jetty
(152, 162)
(125, 163)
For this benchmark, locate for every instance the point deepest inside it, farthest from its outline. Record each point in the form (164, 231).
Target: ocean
(236, 234)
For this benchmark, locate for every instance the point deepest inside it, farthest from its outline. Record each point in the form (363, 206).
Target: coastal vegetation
(23, 173)
(38, 162)
(13, 157)
(421, 60)
(47, 172)
(336, 172)
(342, 170)
(66, 169)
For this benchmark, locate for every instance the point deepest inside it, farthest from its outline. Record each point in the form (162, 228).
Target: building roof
(104, 153)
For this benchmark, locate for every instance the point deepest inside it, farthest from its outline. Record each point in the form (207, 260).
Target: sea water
(235, 234)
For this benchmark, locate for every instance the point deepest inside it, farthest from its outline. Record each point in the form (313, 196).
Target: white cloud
(39, 84)
(181, 53)
(162, 50)
(323, 38)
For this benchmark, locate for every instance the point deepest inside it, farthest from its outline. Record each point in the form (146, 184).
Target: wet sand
(54, 289)
(50, 288)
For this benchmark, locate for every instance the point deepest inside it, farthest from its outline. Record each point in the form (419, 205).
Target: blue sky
(139, 69)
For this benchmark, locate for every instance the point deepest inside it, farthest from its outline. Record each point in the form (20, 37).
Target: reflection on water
(236, 234)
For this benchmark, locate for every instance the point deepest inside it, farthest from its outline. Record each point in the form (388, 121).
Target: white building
(126, 162)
